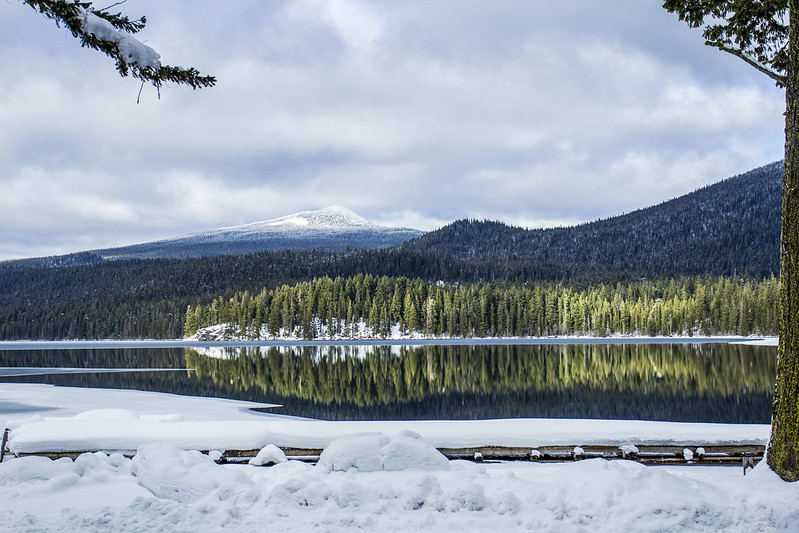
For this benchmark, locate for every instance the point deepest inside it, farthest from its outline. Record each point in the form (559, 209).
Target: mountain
(331, 229)
(730, 227)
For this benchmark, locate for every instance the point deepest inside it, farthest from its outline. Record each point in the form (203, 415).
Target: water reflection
(704, 383)
(716, 382)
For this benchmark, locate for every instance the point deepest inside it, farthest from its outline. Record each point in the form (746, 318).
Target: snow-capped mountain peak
(329, 217)
(333, 228)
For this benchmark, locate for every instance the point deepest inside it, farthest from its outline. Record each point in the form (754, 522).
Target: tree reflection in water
(702, 382)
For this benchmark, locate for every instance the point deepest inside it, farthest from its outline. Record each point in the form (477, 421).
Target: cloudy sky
(411, 113)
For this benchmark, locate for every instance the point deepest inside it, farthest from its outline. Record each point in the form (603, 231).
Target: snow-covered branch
(112, 34)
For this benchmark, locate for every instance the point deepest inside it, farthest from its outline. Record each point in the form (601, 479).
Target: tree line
(381, 306)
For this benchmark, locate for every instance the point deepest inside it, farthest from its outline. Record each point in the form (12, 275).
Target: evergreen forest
(382, 306)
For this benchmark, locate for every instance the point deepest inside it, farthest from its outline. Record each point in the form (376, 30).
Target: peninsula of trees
(382, 306)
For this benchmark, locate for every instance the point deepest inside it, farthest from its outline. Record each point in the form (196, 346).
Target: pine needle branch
(116, 40)
(779, 78)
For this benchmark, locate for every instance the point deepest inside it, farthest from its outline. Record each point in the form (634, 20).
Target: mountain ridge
(731, 226)
(333, 228)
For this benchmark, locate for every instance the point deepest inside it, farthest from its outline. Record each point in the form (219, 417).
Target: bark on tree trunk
(782, 448)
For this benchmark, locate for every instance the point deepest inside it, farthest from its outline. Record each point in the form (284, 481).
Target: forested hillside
(730, 228)
(726, 228)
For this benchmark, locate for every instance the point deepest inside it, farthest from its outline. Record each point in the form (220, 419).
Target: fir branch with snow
(113, 34)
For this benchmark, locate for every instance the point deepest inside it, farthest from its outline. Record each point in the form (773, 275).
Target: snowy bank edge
(392, 341)
(130, 433)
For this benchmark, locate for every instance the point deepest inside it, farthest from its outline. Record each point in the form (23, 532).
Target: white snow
(628, 449)
(43, 433)
(381, 476)
(268, 455)
(133, 51)
(374, 452)
(329, 219)
(358, 330)
(289, 221)
(759, 341)
(21, 400)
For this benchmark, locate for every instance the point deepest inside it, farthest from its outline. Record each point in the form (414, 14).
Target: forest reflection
(384, 375)
(691, 383)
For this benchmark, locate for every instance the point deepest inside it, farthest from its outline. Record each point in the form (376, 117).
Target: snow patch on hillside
(329, 219)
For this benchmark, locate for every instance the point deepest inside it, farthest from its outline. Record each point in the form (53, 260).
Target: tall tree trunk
(782, 449)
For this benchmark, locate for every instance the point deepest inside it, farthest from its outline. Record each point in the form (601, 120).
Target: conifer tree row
(372, 306)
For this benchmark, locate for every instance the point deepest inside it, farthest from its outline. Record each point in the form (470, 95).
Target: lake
(711, 382)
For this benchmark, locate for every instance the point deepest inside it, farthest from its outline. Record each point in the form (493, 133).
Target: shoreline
(22, 345)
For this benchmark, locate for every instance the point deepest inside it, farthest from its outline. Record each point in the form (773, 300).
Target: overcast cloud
(411, 113)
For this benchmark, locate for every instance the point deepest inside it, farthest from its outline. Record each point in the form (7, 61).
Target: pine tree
(113, 35)
(765, 35)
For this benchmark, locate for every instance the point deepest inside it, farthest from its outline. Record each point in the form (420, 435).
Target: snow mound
(269, 455)
(107, 414)
(629, 449)
(184, 476)
(470, 497)
(33, 470)
(373, 452)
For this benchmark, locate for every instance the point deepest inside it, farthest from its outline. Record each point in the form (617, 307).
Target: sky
(411, 113)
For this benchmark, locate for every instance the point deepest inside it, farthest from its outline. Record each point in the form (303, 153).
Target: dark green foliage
(69, 13)
(753, 30)
(660, 307)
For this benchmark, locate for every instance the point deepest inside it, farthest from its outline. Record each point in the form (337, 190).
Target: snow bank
(168, 488)
(373, 452)
(179, 475)
(85, 423)
(164, 488)
(25, 400)
(82, 433)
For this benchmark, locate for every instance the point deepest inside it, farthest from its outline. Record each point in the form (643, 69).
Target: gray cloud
(412, 113)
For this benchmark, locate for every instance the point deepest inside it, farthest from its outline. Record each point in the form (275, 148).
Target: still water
(677, 382)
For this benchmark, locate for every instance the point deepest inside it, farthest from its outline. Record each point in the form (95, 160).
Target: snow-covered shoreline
(392, 341)
(123, 430)
(373, 481)
(72, 419)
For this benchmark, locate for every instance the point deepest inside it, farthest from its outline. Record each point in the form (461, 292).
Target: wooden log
(3, 446)
(729, 454)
